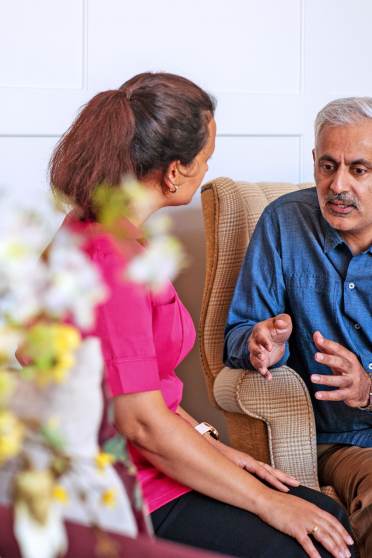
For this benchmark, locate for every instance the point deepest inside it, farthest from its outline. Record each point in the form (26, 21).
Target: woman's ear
(170, 176)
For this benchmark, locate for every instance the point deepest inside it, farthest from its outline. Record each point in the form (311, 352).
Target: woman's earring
(175, 188)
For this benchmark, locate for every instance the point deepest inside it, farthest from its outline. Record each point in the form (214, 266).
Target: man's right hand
(266, 343)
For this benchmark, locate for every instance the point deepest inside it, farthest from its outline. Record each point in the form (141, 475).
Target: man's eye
(327, 167)
(358, 171)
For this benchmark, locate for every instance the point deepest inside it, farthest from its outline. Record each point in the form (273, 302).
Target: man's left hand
(349, 377)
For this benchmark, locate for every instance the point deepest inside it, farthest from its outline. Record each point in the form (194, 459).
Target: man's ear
(313, 152)
(170, 175)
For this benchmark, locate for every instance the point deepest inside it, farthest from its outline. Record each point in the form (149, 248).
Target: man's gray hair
(341, 112)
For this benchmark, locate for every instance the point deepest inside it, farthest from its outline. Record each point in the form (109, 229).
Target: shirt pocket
(311, 301)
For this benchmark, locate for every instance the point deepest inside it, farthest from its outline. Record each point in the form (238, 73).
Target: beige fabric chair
(271, 420)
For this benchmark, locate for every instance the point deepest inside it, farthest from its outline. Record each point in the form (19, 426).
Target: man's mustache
(342, 197)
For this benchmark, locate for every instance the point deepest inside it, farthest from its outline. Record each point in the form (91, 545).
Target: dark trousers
(200, 521)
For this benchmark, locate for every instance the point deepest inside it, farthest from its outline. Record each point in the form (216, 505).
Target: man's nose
(340, 182)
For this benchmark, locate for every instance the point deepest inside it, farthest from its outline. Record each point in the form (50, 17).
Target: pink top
(144, 336)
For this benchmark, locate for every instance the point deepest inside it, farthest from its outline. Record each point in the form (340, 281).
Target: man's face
(343, 176)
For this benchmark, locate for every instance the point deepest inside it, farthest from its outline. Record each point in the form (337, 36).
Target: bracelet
(205, 427)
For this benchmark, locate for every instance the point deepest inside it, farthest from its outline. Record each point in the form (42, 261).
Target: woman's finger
(283, 477)
(308, 546)
(331, 541)
(267, 476)
(335, 525)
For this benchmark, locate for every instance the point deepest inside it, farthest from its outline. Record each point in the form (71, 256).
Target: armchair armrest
(284, 405)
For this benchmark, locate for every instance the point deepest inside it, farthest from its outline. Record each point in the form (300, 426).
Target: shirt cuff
(132, 376)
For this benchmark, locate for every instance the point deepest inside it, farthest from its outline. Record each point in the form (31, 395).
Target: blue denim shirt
(297, 263)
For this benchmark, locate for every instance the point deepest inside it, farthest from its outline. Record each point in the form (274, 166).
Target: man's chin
(339, 219)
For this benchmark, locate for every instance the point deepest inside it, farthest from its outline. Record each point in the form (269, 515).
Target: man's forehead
(353, 140)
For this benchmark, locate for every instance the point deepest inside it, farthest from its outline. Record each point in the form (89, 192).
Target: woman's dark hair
(151, 120)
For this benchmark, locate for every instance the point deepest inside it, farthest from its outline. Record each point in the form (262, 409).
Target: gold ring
(314, 530)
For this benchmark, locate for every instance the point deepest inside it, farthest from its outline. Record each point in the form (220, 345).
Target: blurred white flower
(159, 263)
(23, 235)
(158, 225)
(10, 339)
(74, 283)
(38, 540)
(137, 196)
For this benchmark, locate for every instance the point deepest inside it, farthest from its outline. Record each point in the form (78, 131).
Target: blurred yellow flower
(7, 386)
(108, 497)
(11, 436)
(51, 348)
(103, 460)
(66, 338)
(33, 489)
(60, 494)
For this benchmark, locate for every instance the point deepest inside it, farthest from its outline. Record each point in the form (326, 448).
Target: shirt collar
(332, 238)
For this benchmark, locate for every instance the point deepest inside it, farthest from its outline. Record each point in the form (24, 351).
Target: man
(304, 296)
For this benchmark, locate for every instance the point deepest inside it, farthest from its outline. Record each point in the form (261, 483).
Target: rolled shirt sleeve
(124, 326)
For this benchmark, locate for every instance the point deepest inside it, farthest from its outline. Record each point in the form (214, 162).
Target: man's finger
(262, 337)
(333, 381)
(331, 347)
(335, 395)
(265, 373)
(333, 361)
(281, 328)
(280, 324)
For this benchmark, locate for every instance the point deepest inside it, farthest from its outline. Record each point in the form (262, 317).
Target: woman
(160, 128)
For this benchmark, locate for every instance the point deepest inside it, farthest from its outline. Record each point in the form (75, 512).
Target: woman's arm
(273, 476)
(168, 442)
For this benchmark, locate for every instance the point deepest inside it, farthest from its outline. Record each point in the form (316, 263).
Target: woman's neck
(143, 209)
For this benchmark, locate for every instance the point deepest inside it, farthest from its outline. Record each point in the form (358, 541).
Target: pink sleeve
(124, 326)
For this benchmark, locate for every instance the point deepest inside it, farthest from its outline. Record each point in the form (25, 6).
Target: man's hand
(351, 380)
(266, 344)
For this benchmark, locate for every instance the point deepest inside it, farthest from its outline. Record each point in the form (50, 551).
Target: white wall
(271, 64)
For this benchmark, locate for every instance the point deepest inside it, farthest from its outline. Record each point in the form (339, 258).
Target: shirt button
(351, 286)
(370, 366)
(357, 326)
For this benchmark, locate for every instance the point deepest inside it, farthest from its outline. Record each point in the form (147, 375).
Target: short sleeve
(124, 326)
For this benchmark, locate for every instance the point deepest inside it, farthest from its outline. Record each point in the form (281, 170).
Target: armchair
(273, 421)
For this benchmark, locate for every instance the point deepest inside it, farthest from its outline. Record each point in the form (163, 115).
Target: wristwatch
(205, 427)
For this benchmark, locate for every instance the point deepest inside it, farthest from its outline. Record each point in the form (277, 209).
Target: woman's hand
(272, 476)
(302, 520)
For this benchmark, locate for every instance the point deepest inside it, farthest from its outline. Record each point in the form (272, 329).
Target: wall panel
(43, 42)
(222, 46)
